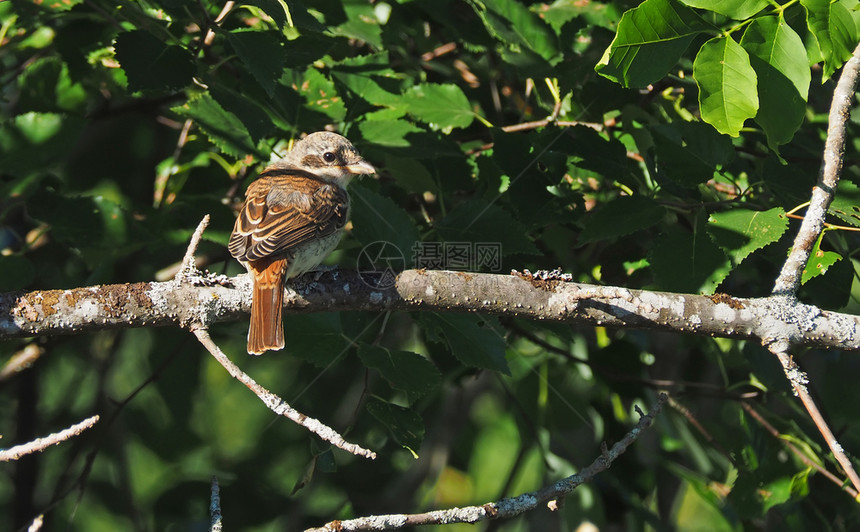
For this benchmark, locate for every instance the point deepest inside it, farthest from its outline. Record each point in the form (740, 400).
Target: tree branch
(794, 449)
(207, 299)
(215, 523)
(822, 194)
(40, 444)
(505, 508)
(275, 403)
(799, 380)
(788, 282)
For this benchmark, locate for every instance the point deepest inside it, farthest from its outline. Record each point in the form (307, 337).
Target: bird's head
(329, 156)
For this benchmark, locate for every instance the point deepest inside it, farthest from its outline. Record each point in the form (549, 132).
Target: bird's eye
(329, 157)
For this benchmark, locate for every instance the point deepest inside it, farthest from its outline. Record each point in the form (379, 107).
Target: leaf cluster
(499, 147)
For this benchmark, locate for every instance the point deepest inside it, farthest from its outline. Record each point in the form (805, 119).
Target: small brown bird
(292, 219)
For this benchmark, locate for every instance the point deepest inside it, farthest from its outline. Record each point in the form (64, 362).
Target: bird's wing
(283, 209)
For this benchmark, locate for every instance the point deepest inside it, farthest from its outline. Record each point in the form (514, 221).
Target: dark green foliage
(122, 124)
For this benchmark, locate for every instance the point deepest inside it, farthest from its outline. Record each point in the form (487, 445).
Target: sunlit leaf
(736, 9)
(650, 40)
(221, 126)
(778, 57)
(442, 106)
(727, 85)
(835, 31)
(819, 261)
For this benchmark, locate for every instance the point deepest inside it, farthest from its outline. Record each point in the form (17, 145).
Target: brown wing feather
(283, 209)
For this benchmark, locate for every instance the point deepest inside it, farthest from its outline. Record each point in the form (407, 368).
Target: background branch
(275, 403)
(797, 452)
(40, 444)
(799, 380)
(505, 508)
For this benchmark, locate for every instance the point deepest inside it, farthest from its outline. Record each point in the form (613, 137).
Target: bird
(292, 218)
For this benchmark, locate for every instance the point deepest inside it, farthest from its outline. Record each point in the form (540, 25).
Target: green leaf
(221, 126)
(46, 87)
(321, 95)
(361, 23)
(800, 484)
(846, 203)
(150, 64)
(404, 424)
(261, 53)
(727, 85)
(688, 262)
(697, 507)
(96, 226)
(475, 341)
(778, 56)
(18, 273)
(481, 222)
(831, 291)
(37, 141)
(442, 106)
(650, 40)
(621, 216)
(368, 88)
(835, 31)
(689, 153)
(735, 9)
(819, 261)
(388, 132)
(739, 232)
(255, 115)
(410, 173)
(515, 25)
(377, 218)
(405, 371)
(316, 338)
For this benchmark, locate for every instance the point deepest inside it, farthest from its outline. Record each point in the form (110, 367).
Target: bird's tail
(267, 328)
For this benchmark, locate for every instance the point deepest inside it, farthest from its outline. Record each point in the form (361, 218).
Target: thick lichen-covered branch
(208, 299)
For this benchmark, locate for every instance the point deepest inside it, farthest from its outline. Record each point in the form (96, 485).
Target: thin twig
(822, 194)
(691, 418)
(215, 506)
(21, 360)
(40, 444)
(798, 380)
(505, 508)
(188, 260)
(825, 224)
(37, 523)
(793, 448)
(275, 403)
(210, 34)
(164, 176)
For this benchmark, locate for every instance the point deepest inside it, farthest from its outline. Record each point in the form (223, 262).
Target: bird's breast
(309, 255)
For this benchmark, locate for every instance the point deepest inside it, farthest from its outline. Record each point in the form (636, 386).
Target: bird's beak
(361, 167)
